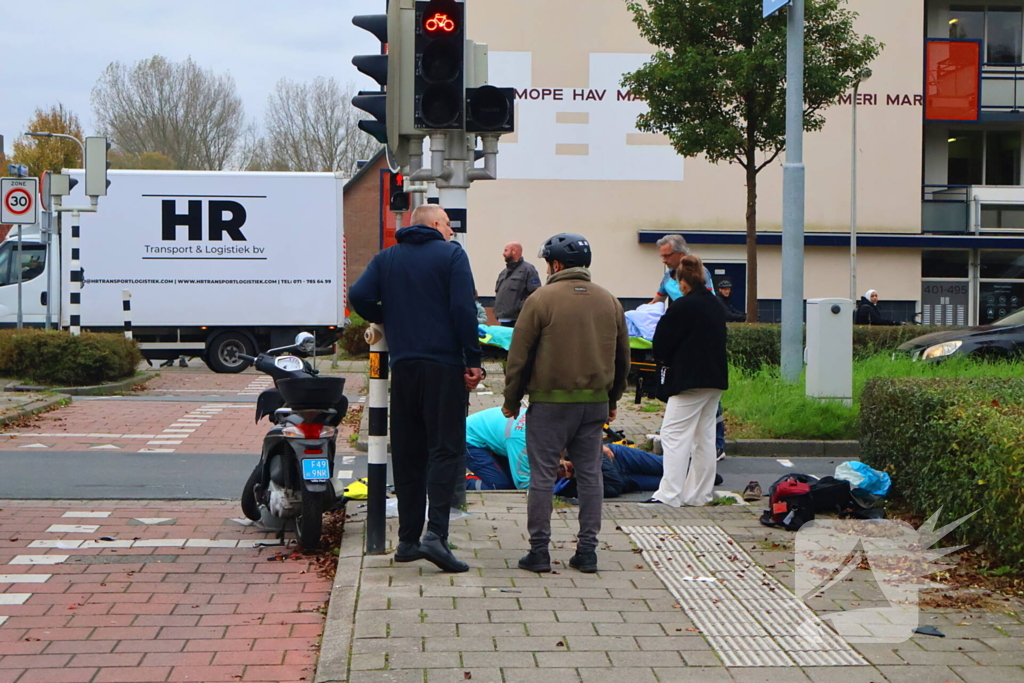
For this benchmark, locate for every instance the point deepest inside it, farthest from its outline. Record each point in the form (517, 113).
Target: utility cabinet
(830, 349)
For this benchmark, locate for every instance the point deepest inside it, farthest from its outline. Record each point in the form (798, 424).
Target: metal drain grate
(748, 617)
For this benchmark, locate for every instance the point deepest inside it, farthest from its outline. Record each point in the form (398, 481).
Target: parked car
(1002, 339)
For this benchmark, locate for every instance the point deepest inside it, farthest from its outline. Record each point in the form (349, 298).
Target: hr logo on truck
(222, 216)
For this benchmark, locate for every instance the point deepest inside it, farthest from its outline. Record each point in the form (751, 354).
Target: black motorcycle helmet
(569, 249)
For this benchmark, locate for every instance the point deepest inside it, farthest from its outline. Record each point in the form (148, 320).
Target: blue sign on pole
(772, 6)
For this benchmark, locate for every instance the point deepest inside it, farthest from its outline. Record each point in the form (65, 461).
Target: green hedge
(56, 358)
(752, 345)
(954, 444)
(352, 339)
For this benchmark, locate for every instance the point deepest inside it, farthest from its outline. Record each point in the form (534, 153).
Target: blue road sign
(772, 6)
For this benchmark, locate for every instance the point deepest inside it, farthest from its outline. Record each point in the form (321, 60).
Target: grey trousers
(577, 429)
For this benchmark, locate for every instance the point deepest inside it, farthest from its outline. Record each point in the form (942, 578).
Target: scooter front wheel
(310, 524)
(250, 507)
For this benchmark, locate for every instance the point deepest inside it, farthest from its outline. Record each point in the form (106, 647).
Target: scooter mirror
(305, 341)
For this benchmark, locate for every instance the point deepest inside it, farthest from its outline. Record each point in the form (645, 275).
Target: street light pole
(862, 76)
(793, 200)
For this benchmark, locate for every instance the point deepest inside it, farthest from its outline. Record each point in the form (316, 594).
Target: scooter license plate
(315, 468)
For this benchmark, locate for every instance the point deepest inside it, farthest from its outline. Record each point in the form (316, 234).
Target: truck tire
(222, 355)
(310, 524)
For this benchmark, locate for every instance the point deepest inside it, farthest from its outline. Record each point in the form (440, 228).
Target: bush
(56, 358)
(752, 345)
(352, 339)
(956, 444)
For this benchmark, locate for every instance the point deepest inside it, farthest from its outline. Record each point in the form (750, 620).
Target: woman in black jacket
(690, 342)
(868, 313)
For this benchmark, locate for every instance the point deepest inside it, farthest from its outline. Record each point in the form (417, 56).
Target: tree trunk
(752, 313)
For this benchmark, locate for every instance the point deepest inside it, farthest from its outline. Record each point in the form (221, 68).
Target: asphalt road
(213, 476)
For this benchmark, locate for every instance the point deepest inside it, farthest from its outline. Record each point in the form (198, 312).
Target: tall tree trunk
(751, 169)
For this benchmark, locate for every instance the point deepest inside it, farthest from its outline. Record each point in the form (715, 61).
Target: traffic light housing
(490, 110)
(439, 90)
(96, 166)
(376, 67)
(398, 198)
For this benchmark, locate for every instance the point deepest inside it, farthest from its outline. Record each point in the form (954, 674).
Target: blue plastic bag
(861, 476)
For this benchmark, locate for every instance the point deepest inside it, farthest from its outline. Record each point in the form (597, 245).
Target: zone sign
(19, 200)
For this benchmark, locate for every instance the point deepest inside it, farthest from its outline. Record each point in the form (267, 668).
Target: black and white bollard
(75, 291)
(126, 305)
(377, 455)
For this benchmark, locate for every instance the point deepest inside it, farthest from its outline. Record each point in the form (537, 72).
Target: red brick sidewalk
(163, 606)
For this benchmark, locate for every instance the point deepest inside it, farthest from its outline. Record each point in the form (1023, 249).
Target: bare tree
(181, 110)
(314, 127)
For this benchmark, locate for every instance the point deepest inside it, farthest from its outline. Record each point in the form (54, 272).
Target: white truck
(216, 263)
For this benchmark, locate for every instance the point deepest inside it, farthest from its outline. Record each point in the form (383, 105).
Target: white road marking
(105, 447)
(35, 445)
(154, 520)
(24, 578)
(2, 620)
(162, 443)
(348, 459)
(208, 543)
(69, 435)
(785, 463)
(344, 474)
(14, 598)
(72, 529)
(39, 559)
(91, 514)
(156, 450)
(88, 545)
(60, 545)
(179, 431)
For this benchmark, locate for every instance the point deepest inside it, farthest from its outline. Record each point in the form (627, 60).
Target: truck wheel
(310, 523)
(222, 356)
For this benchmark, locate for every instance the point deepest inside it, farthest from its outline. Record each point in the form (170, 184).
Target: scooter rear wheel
(250, 507)
(310, 524)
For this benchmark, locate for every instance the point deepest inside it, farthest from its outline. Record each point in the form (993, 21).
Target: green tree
(49, 154)
(148, 161)
(716, 86)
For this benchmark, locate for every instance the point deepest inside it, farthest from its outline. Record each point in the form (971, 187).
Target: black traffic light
(490, 109)
(440, 65)
(376, 67)
(398, 198)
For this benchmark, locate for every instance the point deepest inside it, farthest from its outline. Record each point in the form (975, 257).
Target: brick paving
(499, 624)
(166, 613)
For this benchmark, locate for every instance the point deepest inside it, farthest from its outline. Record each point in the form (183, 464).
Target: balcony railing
(1002, 87)
(964, 209)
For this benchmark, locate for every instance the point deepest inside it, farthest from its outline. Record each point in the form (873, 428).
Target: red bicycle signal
(439, 23)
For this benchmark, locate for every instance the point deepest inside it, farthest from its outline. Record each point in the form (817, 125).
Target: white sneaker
(720, 456)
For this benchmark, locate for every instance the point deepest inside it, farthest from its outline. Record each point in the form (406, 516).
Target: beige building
(940, 210)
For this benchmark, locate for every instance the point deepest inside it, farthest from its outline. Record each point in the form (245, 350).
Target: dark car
(1002, 339)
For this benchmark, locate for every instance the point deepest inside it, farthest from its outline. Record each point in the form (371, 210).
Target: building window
(979, 157)
(1002, 265)
(999, 27)
(944, 263)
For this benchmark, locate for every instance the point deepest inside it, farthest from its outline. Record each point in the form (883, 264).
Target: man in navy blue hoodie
(421, 290)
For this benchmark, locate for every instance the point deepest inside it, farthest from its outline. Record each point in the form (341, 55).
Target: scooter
(292, 483)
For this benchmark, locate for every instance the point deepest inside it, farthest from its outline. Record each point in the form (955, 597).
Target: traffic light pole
(377, 451)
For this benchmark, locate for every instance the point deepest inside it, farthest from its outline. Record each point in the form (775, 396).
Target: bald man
(518, 281)
(421, 289)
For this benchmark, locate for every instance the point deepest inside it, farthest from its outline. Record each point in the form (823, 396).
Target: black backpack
(826, 495)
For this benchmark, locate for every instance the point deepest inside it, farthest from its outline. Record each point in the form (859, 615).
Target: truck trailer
(215, 263)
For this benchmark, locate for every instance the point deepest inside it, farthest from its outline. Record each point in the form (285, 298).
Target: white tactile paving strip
(257, 386)
(748, 617)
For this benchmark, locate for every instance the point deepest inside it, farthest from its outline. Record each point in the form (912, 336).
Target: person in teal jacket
(496, 450)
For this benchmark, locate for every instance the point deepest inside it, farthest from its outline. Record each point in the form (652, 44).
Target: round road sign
(18, 201)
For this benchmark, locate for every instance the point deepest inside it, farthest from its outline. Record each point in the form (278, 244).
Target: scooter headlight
(309, 430)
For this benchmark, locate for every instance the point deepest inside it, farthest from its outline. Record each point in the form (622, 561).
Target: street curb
(336, 643)
(30, 409)
(95, 390)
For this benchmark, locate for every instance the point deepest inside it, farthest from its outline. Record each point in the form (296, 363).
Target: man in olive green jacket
(570, 353)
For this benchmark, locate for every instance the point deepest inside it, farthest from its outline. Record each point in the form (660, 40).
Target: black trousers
(428, 437)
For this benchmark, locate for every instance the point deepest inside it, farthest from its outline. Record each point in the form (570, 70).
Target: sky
(57, 49)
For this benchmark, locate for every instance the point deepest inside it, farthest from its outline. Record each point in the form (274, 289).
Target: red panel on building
(952, 80)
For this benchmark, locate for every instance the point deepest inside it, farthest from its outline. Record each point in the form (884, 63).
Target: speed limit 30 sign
(19, 200)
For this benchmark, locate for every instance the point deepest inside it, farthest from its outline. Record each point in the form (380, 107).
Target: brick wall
(362, 218)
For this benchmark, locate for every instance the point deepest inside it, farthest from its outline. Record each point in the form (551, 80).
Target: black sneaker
(537, 560)
(585, 561)
(408, 552)
(434, 549)
(652, 501)
(718, 480)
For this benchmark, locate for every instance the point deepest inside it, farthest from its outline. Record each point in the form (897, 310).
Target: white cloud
(58, 48)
